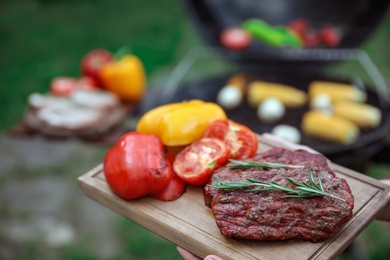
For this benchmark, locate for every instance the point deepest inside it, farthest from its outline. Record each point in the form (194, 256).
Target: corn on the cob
(364, 115)
(289, 96)
(336, 91)
(329, 127)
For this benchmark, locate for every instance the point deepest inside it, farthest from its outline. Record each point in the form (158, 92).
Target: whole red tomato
(239, 139)
(137, 166)
(235, 38)
(93, 61)
(195, 163)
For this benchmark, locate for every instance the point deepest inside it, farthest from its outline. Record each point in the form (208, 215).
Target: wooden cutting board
(188, 223)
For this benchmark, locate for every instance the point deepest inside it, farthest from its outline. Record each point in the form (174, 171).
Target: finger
(187, 255)
(212, 257)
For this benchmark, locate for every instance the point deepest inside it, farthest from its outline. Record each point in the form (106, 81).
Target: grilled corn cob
(336, 91)
(289, 96)
(363, 115)
(329, 127)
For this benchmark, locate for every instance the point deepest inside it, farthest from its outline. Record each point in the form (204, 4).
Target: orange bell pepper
(125, 77)
(181, 123)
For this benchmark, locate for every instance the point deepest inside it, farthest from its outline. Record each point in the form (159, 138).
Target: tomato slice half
(195, 163)
(240, 140)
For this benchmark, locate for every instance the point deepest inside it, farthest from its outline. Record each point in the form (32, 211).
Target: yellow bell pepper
(125, 77)
(181, 123)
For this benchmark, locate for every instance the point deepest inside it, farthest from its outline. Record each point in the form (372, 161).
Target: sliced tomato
(87, 83)
(195, 163)
(240, 140)
(63, 86)
(173, 191)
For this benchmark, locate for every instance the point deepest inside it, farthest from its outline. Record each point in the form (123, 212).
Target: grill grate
(368, 143)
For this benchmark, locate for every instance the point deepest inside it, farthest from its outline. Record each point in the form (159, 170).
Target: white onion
(322, 102)
(229, 97)
(270, 110)
(287, 133)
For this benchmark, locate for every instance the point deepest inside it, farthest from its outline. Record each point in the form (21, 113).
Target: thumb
(212, 257)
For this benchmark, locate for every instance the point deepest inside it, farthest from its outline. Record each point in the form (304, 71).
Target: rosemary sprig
(302, 190)
(235, 164)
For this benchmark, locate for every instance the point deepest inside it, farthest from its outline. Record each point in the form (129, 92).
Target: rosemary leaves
(302, 189)
(235, 164)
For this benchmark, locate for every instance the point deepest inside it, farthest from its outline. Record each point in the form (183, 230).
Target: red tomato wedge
(195, 163)
(176, 187)
(239, 139)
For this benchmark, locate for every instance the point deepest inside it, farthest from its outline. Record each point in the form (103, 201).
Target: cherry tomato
(195, 163)
(63, 86)
(330, 37)
(137, 166)
(93, 61)
(239, 139)
(311, 39)
(299, 26)
(235, 38)
(173, 191)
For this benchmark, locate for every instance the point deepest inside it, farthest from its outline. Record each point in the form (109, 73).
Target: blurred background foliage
(43, 39)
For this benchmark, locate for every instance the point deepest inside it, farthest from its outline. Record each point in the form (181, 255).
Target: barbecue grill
(354, 20)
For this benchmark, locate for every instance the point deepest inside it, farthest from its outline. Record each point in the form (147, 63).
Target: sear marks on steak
(267, 216)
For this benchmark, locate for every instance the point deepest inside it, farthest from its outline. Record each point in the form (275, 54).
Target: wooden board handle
(384, 214)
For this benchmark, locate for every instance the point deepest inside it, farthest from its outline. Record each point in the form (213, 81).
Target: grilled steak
(267, 216)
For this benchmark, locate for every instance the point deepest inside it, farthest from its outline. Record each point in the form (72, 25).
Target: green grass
(139, 243)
